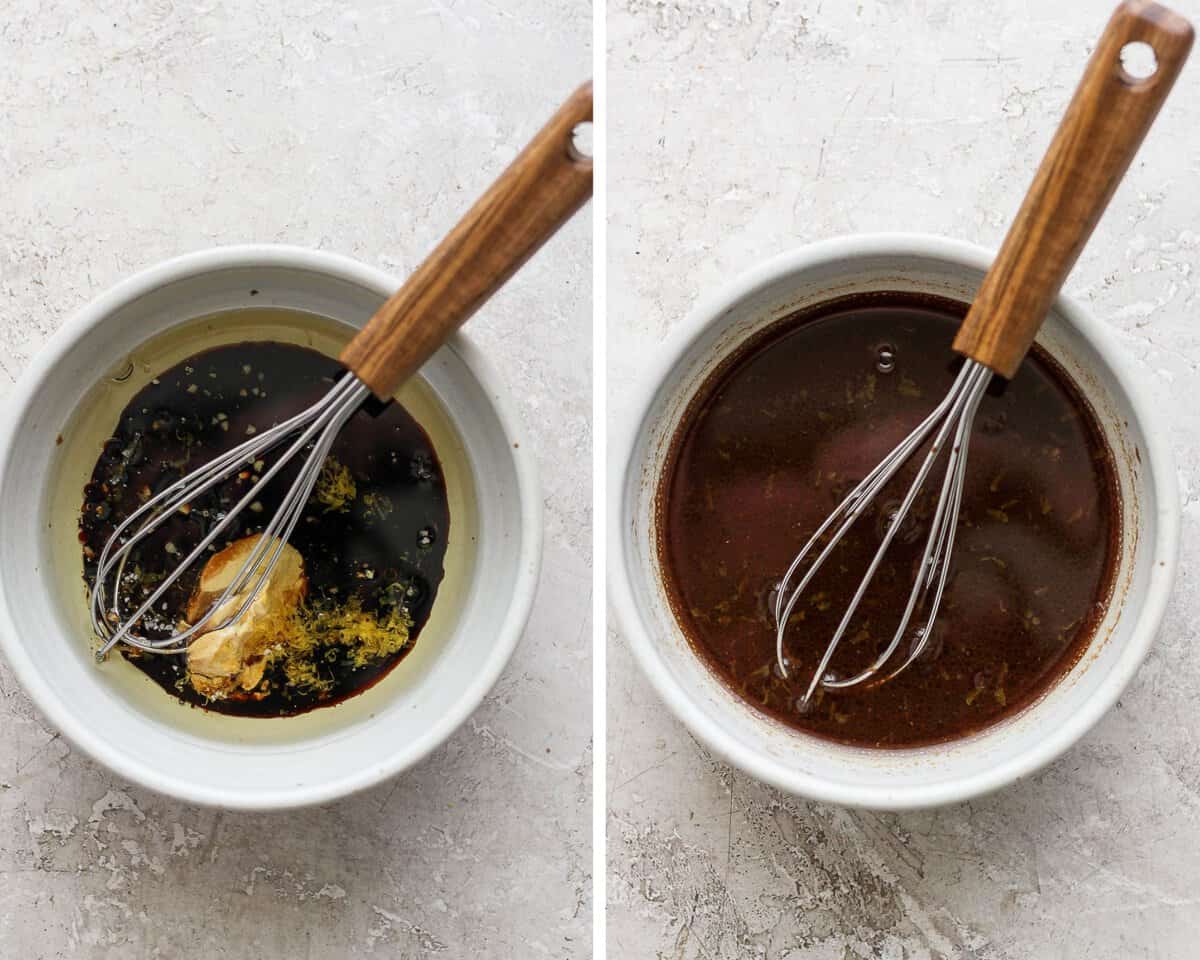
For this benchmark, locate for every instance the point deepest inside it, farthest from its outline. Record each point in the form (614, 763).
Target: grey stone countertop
(130, 133)
(740, 129)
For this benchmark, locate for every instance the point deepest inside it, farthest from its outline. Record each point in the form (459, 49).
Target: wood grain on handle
(535, 196)
(1104, 125)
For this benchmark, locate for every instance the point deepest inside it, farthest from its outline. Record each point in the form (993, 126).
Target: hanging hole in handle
(580, 145)
(1138, 61)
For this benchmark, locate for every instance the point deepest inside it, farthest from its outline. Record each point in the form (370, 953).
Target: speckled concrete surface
(133, 132)
(741, 129)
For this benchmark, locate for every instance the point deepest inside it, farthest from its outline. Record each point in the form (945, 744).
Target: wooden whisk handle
(535, 196)
(1103, 127)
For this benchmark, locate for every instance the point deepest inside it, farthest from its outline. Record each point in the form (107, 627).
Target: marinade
(372, 537)
(785, 429)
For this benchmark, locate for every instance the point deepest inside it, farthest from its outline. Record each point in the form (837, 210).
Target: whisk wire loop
(952, 418)
(317, 426)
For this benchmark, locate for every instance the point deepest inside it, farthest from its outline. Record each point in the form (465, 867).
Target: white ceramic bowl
(112, 711)
(818, 769)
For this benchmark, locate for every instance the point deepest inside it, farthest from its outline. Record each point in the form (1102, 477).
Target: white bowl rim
(508, 634)
(624, 442)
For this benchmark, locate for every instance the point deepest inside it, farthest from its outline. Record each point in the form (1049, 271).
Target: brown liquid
(781, 433)
(387, 548)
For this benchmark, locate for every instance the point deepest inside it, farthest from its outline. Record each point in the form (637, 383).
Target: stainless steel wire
(949, 423)
(314, 430)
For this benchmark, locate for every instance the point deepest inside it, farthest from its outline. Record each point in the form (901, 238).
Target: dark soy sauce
(380, 548)
(781, 433)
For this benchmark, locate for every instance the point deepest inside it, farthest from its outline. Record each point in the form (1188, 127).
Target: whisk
(542, 188)
(1104, 125)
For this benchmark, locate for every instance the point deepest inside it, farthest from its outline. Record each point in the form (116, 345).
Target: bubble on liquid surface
(918, 638)
(421, 467)
(768, 596)
(885, 358)
(911, 527)
(426, 537)
(933, 646)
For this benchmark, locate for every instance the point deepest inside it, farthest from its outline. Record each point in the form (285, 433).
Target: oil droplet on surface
(885, 358)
